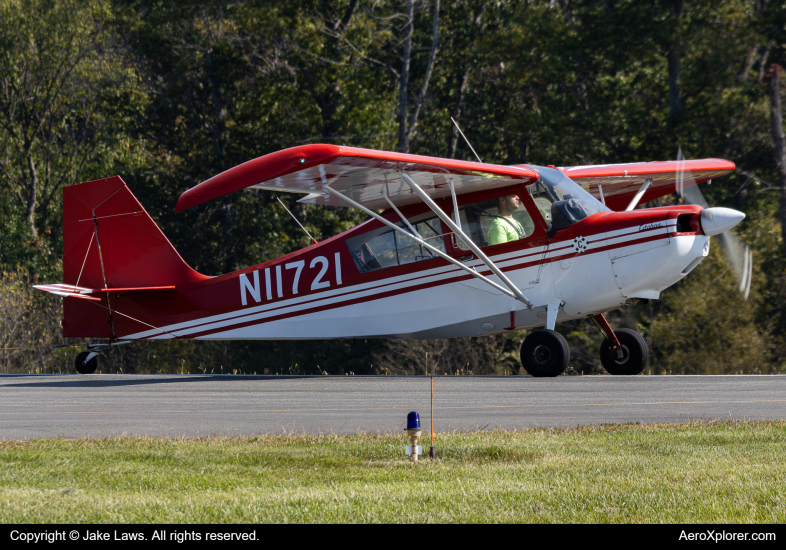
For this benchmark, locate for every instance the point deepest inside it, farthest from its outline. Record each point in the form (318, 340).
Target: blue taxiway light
(413, 421)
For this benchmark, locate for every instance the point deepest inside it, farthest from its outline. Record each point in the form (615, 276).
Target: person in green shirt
(504, 228)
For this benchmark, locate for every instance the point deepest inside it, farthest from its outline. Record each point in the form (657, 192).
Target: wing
(620, 182)
(360, 174)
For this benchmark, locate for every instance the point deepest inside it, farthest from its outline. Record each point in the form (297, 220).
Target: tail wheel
(545, 353)
(635, 353)
(89, 367)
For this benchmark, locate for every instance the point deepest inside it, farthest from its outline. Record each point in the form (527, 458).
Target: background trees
(167, 95)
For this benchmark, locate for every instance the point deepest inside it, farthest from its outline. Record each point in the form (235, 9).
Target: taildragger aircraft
(460, 249)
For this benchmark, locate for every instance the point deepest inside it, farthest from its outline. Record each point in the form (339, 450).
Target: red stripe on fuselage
(448, 278)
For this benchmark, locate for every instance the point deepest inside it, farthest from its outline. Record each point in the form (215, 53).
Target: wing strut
(456, 216)
(419, 241)
(393, 206)
(472, 246)
(638, 195)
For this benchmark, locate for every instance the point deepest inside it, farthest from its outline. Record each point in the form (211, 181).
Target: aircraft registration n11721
(461, 249)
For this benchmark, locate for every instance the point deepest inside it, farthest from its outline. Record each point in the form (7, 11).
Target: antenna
(297, 222)
(465, 139)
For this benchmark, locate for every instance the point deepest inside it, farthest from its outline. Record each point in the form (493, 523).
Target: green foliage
(59, 70)
(706, 327)
(29, 326)
(169, 94)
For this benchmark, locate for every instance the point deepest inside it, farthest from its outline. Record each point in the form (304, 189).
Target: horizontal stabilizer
(68, 291)
(85, 293)
(130, 290)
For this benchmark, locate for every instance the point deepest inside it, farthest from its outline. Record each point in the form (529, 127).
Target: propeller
(739, 255)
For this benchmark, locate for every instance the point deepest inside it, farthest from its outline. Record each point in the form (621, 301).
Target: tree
(406, 124)
(778, 137)
(56, 66)
(705, 328)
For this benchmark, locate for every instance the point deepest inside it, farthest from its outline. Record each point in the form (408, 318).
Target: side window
(495, 221)
(384, 247)
(542, 201)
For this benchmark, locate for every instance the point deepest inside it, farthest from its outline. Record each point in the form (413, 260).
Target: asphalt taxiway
(76, 406)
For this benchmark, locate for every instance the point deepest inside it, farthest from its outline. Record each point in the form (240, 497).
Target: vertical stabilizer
(110, 241)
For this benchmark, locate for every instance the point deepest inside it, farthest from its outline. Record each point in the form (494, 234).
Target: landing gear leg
(623, 352)
(87, 361)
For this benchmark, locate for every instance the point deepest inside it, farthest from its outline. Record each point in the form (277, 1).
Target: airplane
(460, 249)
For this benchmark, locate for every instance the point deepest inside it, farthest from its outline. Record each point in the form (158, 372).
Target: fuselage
(595, 265)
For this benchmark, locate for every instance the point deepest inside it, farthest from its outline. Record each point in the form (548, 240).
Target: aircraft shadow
(132, 380)
(120, 380)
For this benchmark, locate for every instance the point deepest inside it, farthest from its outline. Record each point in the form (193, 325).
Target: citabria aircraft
(460, 249)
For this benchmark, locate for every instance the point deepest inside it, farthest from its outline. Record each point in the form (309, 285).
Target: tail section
(111, 244)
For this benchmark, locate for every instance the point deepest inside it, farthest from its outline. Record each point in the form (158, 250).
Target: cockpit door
(508, 234)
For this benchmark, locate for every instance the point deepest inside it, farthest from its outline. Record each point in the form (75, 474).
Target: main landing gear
(87, 361)
(547, 353)
(623, 351)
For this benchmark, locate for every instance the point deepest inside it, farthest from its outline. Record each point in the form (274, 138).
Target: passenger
(504, 228)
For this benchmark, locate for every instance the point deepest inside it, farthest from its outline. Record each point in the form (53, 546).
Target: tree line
(169, 94)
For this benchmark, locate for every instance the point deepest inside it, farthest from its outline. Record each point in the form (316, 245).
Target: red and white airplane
(461, 249)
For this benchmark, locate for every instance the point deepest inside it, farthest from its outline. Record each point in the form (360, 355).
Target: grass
(715, 472)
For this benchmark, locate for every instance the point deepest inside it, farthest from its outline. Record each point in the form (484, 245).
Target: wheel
(634, 353)
(91, 365)
(545, 353)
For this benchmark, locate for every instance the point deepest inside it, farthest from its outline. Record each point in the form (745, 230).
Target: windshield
(561, 200)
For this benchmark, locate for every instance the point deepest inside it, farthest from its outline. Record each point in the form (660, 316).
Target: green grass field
(707, 472)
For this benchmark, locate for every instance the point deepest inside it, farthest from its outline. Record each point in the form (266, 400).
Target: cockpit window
(561, 200)
(384, 247)
(495, 221)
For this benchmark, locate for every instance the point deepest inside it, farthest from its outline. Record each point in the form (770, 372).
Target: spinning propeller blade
(739, 256)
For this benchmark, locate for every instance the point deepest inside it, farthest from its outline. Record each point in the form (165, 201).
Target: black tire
(88, 368)
(635, 353)
(545, 353)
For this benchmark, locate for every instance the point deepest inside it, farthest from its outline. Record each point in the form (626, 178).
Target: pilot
(504, 228)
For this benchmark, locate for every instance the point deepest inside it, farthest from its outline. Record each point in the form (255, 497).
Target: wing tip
(270, 166)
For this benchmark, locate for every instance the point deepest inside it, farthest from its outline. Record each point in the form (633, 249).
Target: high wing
(621, 182)
(363, 175)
